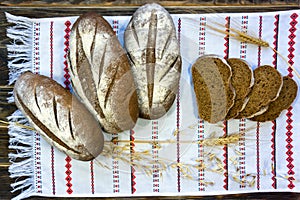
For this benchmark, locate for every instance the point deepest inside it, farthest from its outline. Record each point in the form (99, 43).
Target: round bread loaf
(152, 46)
(58, 116)
(100, 73)
(213, 90)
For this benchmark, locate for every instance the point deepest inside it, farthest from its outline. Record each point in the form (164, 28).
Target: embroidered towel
(165, 156)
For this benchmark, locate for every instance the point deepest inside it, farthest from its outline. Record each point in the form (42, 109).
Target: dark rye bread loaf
(266, 88)
(286, 97)
(214, 93)
(242, 80)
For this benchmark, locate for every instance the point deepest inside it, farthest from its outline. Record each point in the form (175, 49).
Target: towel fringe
(22, 142)
(20, 50)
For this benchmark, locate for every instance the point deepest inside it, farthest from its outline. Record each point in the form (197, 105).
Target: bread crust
(152, 46)
(286, 97)
(100, 73)
(58, 116)
(214, 94)
(266, 88)
(242, 81)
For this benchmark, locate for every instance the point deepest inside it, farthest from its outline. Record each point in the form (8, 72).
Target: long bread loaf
(58, 116)
(101, 75)
(152, 46)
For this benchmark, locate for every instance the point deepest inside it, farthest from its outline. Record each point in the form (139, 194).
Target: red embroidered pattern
(225, 155)
(132, 146)
(178, 118)
(37, 137)
(51, 49)
(289, 113)
(155, 166)
(258, 124)
(68, 173)
(257, 157)
(116, 176)
(273, 152)
(51, 76)
(202, 36)
(116, 172)
(67, 36)
(92, 177)
(242, 122)
(225, 123)
(226, 38)
(116, 26)
(201, 172)
(36, 48)
(241, 163)
(67, 85)
(38, 165)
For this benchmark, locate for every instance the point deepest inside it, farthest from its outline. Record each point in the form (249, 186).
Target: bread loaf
(58, 116)
(100, 73)
(266, 88)
(214, 93)
(286, 97)
(242, 80)
(152, 46)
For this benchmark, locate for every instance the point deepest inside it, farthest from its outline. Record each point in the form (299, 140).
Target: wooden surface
(51, 8)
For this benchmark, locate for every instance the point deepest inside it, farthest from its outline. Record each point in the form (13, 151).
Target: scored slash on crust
(100, 68)
(154, 52)
(55, 111)
(41, 126)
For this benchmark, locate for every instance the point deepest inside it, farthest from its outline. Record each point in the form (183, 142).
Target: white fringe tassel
(21, 140)
(20, 51)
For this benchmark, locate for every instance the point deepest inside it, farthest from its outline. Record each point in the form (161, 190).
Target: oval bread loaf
(58, 116)
(100, 73)
(152, 46)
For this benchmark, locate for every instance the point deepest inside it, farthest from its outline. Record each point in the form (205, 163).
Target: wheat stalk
(244, 37)
(143, 161)
(218, 141)
(6, 87)
(17, 124)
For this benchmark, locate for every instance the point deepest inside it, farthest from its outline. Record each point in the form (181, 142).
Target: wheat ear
(244, 37)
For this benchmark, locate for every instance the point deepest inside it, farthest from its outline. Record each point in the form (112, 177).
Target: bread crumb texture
(232, 90)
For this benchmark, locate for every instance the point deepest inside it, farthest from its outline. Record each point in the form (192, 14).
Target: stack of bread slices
(230, 89)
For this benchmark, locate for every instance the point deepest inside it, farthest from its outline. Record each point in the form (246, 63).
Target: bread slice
(242, 80)
(266, 88)
(286, 97)
(214, 93)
